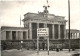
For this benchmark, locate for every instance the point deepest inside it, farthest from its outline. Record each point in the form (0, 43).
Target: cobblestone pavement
(24, 52)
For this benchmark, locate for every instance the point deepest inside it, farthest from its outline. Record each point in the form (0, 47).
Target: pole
(18, 32)
(79, 41)
(69, 23)
(48, 30)
(48, 44)
(37, 44)
(18, 41)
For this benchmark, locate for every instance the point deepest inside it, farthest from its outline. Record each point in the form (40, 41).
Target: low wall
(32, 44)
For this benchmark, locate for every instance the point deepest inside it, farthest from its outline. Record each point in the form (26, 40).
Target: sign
(42, 32)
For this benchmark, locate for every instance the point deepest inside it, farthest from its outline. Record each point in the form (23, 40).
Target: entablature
(46, 21)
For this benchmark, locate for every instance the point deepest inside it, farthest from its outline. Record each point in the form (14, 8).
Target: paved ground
(24, 52)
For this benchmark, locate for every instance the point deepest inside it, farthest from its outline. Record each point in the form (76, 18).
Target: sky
(11, 10)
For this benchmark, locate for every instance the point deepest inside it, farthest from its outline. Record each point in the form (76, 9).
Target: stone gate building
(32, 21)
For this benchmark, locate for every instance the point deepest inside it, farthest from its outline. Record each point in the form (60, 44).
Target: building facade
(14, 33)
(56, 24)
(74, 34)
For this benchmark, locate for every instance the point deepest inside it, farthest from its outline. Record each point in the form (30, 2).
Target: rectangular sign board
(42, 32)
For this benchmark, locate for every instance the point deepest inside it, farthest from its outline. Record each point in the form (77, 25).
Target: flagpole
(48, 36)
(69, 23)
(47, 2)
(20, 21)
(18, 32)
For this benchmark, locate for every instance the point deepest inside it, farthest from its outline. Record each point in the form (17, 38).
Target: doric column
(10, 35)
(30, 30)
(37, 25)
(64, 31)
(3, 35)
(73, 35)
(26, 35)
(45, 25)
(76, 35)
(53, 37)
(66, 35)
(17, 37)
(79, 35)
(21, 37)
(18, 33)
(59, 32)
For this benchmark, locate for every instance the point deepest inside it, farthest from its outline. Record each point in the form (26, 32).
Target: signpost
(42, 32)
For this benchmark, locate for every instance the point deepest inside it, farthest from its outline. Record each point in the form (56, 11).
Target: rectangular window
(62, 31)
(56, 31)
(24, 35)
